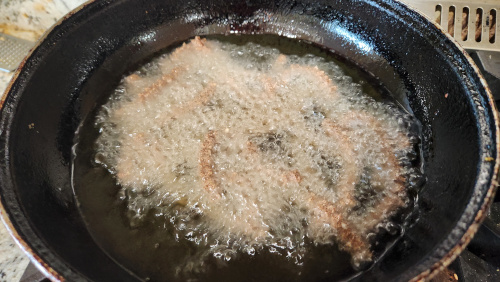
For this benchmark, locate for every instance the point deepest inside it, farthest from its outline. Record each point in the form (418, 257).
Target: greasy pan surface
(82, 59)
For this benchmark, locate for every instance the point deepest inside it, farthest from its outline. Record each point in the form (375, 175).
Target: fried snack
(257, 149)
(207, 165)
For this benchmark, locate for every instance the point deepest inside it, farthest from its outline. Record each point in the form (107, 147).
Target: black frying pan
(82, 59)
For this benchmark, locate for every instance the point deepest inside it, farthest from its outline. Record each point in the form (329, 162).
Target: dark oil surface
(151, 250)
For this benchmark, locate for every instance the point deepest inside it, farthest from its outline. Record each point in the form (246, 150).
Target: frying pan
(80, 61)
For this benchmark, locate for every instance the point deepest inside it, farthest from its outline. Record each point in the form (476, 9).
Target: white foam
(287, 140)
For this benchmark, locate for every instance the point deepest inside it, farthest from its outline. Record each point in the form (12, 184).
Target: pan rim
(36, 259)
(428, 274)
(488, 199)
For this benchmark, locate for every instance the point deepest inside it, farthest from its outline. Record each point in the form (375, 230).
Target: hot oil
(187, 232)
(152, 251)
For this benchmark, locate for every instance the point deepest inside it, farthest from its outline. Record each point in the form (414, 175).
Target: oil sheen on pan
(247, 158)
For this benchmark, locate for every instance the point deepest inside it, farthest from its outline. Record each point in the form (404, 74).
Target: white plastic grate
(474, 24)
(12, 51)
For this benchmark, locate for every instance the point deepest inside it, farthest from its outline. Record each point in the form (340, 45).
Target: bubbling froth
(244, 149)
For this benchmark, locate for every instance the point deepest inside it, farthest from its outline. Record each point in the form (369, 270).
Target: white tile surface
(12, 260)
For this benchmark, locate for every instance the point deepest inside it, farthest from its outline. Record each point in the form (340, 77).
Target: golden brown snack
(207, 164)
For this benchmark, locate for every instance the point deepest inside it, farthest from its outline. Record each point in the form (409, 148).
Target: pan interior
(150, 249)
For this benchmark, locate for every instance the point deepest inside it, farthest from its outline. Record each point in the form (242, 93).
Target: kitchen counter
(27, 19)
